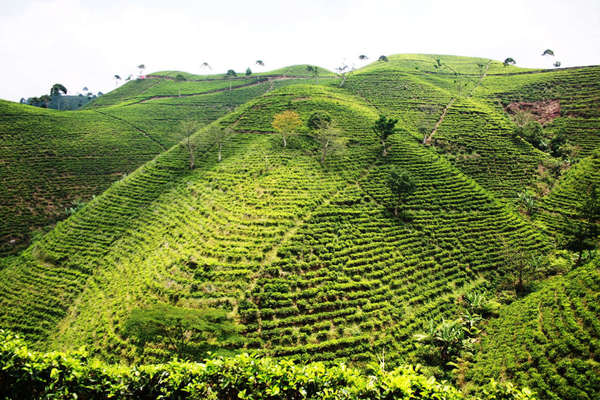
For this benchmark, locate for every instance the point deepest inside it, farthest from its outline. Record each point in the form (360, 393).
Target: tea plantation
(302, 247)
(55, 161)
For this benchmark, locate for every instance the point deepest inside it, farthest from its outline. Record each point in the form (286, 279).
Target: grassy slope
(550, 340)
(54, 158)
(293, 249)
(476, 134)
(51, 158)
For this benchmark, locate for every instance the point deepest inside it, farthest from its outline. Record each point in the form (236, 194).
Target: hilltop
(306, 257)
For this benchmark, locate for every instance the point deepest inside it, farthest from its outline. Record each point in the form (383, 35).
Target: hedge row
(31, 375)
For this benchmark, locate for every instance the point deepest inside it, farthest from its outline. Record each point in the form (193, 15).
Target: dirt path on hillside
(225, 89)
(427, 139)
(143, 132)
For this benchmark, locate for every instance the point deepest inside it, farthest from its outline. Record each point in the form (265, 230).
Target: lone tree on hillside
(344, 71)
(230, 75)
(324, 131)
(56, 89)
(363, 57)
(557, 64)
(260, 63)
(318, 119)
(248, 71)
(402, 185)
(314, 70)
(218, 135)
(117, 79)
(581, 232)
(190, 333)
(509, 61)
(205, 65)
(548, 52)
(383, 58)
(286, 123)
(383, 128)
(188, 128)
(141, 67)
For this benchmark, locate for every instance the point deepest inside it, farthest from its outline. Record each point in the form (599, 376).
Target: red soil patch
(543, 111)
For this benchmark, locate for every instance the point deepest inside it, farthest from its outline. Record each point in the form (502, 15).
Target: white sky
(85, 42)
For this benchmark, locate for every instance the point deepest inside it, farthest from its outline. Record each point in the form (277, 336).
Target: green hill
(56, 159)
(308, 258)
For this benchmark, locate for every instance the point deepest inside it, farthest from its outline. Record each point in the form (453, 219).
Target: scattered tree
(230, 75)
(314, 70)
(509, 61)
(522, 267)
(318, 119)
(383, 58)
(344, 71)
(363, 57)
(205, 65)
(329, 137)
(117, 79)
(548, 52)
(141, 67)
(56, 89)
(45, 100)
(190, 333)
(180, 78)
(218, 135)
(557, 64)
(581, 232)
(129, 78)
(286, 123)
(248, 71)
(260, 63)
(383, 128)
(188, 128)
(402, 185)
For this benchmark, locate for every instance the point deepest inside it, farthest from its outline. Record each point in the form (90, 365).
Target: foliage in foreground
(26, 375)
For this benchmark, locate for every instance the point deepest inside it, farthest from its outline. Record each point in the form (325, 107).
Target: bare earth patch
(543, 111)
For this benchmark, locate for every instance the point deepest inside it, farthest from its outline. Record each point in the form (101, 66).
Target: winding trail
(427, 139)
(143, 132)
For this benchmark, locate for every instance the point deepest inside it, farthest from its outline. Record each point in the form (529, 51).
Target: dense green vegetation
(54, 159)
(31, 375)
(276, 217)
(549, 340)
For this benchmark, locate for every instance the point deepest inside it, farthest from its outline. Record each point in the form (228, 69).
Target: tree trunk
(324, 152)
(220, 152)
(284, 141)
(384, 148)
(191, 150)
(395, 211)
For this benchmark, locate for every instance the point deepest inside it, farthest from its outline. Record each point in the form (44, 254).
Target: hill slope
(550, 340)
(53, 159)
(307, 256)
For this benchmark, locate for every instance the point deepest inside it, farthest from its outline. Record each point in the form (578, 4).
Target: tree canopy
(383, 128)
(402, 184)
(190, 333)
(286, 123)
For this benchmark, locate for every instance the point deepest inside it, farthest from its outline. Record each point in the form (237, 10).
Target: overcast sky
(85, 42)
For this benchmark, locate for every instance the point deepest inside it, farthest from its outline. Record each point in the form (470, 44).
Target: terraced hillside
(550, 340)
(53, 159)
(307, 256)
(458, 108)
